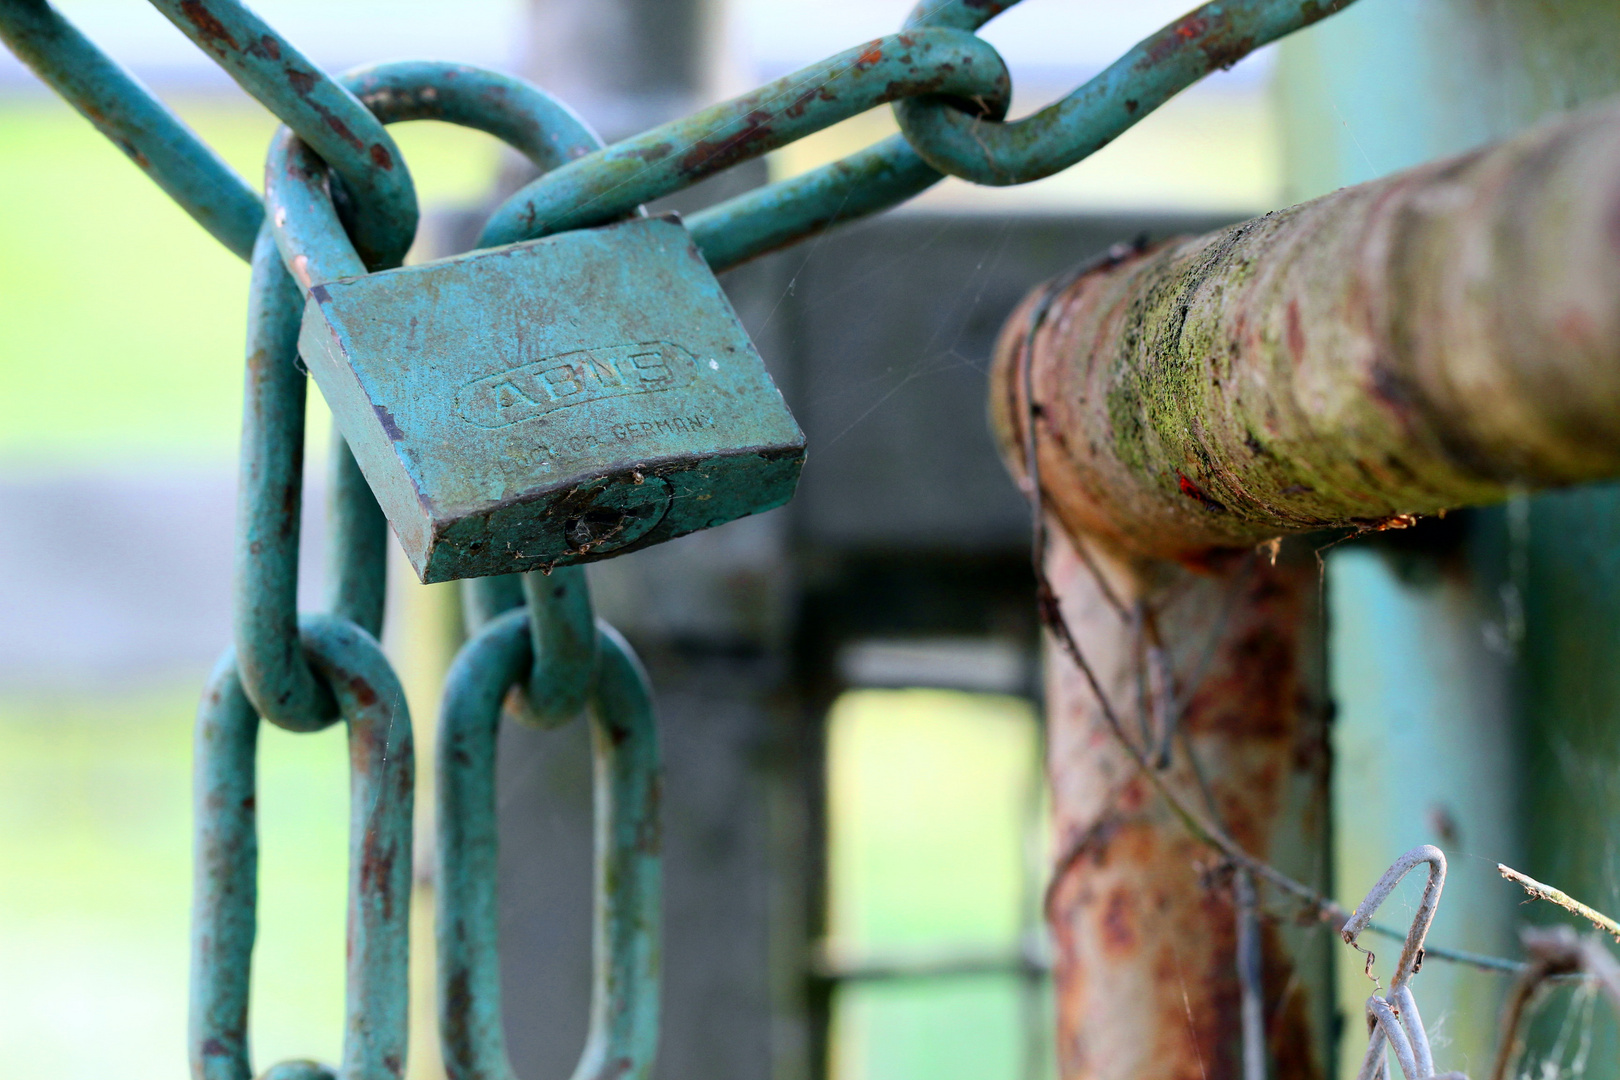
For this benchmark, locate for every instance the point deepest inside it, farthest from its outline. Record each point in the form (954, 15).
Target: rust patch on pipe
(1141, 914)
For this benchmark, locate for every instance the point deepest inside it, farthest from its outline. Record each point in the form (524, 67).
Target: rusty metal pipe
(1443, 337)
(1145, 933)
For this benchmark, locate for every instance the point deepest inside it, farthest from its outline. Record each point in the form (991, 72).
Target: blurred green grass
(95, 887)
(933, 795)
(123, 319)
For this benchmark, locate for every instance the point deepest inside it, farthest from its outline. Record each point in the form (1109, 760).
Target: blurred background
(848, 685)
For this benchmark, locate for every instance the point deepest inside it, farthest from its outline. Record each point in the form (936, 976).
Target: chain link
(535, 645)
(612, 182)
(382, 776)
(326, 115)
(624, 996)
(1212, 36)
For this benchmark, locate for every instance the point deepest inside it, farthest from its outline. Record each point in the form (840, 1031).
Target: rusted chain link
(612, 182)
(225, 878)
(624, 996)
(977, 148)
(377, 184)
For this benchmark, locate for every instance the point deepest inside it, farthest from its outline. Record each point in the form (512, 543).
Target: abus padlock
(551, 402)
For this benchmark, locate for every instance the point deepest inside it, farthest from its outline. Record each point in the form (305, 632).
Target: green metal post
(1478, 696)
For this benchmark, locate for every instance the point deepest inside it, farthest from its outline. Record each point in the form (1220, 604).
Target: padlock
(551, 402)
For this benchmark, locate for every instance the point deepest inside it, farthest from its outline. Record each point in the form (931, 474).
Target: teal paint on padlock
(551, 402)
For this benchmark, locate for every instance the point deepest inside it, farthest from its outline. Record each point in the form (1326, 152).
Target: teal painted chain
(535, 644)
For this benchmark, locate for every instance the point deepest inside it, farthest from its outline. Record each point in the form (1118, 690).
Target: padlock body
(551, 402)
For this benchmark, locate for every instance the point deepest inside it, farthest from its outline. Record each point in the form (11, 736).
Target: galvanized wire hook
(1394, 1019)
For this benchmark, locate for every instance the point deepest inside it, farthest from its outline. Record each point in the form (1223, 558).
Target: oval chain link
(987, 151)
(623, 1031)
(225, 874)
(325, 114)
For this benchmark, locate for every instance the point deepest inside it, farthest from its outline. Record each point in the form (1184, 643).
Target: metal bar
(1438, 338)
(936, 964)
(778, 215)
(357, 560)
(986, 151)
(140, 125)
(328, 117)
(613, 182)
(380, 803)
(563, 640)
(624, 1001)
(275, 675)
(1144, 974)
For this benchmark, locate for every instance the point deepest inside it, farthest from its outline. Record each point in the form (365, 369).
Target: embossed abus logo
(574, 378)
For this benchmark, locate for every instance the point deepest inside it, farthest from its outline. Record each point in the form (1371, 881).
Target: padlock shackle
(298, 196)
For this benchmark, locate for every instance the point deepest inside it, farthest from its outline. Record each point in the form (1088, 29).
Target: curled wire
(1393, 1020)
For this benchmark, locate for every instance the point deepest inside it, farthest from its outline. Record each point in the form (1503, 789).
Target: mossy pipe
(1443, 337)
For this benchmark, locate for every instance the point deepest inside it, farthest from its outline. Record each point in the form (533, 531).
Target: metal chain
(535, 644)
(1093, 115)
(326, 115)
(951, 119)
(607, 184)
(314, 245)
